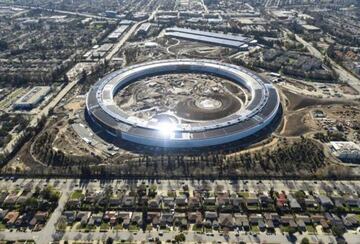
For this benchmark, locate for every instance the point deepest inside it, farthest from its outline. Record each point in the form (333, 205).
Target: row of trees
(301, 158)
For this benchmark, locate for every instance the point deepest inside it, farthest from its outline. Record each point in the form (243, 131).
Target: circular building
(182, 103)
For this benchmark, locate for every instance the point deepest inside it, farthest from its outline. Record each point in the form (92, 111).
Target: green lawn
(118, 227)
(255, 228)
(358, 217)
(208, 230)
(311, 229)
(76, 194)
(210, 207)
(197, 228)
(284, 229)
(244, 194)
(133, 228)
(2, 226)
(104, 227)
(90, 228)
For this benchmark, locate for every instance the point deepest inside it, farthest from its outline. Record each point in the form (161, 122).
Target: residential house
(194, 203)
(281, 202)
(325, 202)
(115, 201)
(166, 218)
(223, 199)
(350, 221)
(287, 219)
(83, 217)
(128, 202)
(294, 204)
(226, 220)
(3, 196)
(10, 218)
(3, 213)
(336, 221)
(41, 216)
(256, 219)
(154, 203)
(143, 201)
(92, 197)
(273, 217)
(154, 218)
(23, 198)
(317, 218)
(181, 201)
(209, 201)
(252, 202)
(111, 217)
(95, 219)
(70, 216)
(239, 219)
(178, 217)
(236, 202)
(339, 202)
(304, 218)
(195, 218)
(137, 218)
(168, 202)
(122, 215)
(266, 201)
(10, 200)
(22, 220)
(310, 202)
(352, 202)
(210, 215)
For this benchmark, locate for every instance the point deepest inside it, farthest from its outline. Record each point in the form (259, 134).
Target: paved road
(87, 15)
(195, 237)
(127, 35)
(344, 75)
(44, 112)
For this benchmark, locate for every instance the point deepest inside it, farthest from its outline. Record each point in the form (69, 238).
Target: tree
(3, 45)
(109, 240)
(338, 230)
(83, 76)
(180, 238)
(292, 231)
(305, 240)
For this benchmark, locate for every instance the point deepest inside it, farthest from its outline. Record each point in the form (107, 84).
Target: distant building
(32, 98)
(114, 36)
(311, 28)
(110, 13)
(126, 22)
(214, 38)
(345, 150)
(143, 29)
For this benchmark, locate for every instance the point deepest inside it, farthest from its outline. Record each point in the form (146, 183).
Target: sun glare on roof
(166, 129)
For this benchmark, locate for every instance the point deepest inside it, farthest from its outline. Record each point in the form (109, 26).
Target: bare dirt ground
(297, 102)
(298, 124)
(346, 89)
